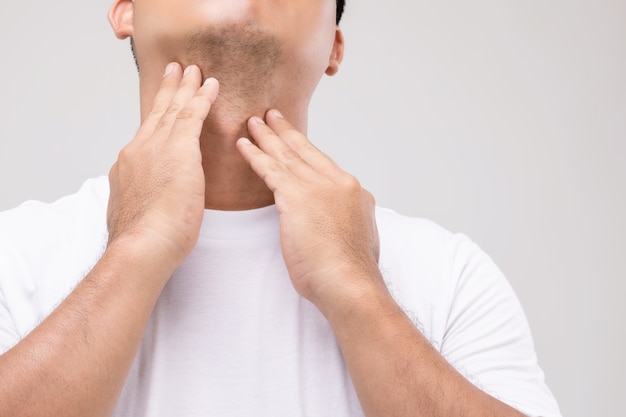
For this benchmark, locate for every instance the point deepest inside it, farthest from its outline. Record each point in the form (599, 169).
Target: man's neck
(230, 184)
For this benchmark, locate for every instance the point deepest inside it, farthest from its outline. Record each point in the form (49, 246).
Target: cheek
(306, 28)
(307, 64)
(314, 54)
(162, 26)
(311, 40)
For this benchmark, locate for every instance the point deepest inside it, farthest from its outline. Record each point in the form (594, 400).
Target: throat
(249, 63)
(227, 191)
(246, 61)
(230, 183)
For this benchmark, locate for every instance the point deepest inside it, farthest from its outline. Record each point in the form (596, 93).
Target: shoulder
(398, 230)
(461, 301)
(47, 248)
(427, 245)
(36, 229)
(425, 233)
(426, 248)
(433, 272)
(92, 196)
(416, 263)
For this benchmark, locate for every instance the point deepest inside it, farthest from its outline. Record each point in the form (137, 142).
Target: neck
(230, 184)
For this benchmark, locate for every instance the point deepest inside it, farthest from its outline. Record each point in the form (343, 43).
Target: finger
(272, 172)
(301, 144)
(189, 119)
(273, 145)
(189, 86)
(162, 99)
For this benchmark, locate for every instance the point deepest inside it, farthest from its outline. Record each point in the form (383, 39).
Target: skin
(188, 155)
(297, 25)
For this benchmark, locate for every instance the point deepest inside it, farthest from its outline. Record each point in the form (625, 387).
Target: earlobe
(336, 55)
(121, 18)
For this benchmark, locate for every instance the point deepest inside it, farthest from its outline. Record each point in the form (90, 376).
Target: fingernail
(245, 141)
(258, 120)
(168, 70)
(278, 114)
(187, 70)
(210, 81)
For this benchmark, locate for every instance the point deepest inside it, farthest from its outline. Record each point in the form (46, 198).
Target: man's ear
(336, 55)
(121, 18)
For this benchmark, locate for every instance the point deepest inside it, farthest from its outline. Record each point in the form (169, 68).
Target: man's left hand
(327, 227)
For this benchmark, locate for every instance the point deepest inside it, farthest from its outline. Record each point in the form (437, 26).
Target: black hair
(340, 5)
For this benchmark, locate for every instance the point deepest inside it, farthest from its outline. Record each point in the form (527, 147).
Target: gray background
(503, 120)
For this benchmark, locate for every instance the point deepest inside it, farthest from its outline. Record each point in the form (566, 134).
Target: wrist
(350, 289)
(141, 254)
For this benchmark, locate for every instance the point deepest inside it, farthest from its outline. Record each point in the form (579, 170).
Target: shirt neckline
(244, 224)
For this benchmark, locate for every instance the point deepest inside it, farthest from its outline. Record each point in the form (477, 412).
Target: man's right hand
(75, 362)
(157, 183)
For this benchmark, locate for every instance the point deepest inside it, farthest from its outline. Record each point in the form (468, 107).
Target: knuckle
(157, 110)
(113, 171)
(173, 109)
(186, 113)
(350, 182)
(163, 124)
(124, 154)
(270, 171)
(289, 155)
(274, 167)
(369, 197)
(310, 148)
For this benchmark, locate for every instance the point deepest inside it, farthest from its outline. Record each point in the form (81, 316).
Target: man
(243, 272)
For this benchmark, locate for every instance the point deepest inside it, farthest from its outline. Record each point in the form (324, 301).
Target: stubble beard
(244, 58)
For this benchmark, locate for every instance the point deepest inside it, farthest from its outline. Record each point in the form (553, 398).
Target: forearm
(394, 368)
(330, 243)
(76, 361)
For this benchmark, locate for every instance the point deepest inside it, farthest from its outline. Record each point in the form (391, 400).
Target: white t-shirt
(230, 336)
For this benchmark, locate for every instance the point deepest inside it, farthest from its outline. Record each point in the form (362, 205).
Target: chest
(230, 336)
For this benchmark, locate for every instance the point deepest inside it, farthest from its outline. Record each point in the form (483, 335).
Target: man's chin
(242, 55)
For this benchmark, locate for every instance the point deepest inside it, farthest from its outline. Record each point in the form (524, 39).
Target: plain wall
(503, 120)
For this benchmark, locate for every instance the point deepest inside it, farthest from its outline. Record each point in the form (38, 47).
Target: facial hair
(243, 57)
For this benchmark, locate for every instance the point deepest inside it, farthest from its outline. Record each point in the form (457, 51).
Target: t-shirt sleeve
(8, 333)
(46, 249)
(487, 337)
